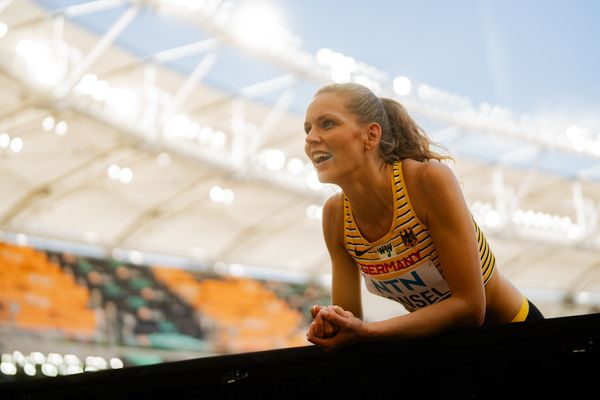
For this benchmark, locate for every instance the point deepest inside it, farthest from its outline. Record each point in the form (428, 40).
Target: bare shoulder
(427, 176)
(431, 185)
(334, 205)
(435, 175)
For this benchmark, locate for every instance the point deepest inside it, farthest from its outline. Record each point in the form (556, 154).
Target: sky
(535, 57)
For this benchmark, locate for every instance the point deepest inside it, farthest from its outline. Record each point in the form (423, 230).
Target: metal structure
(162, 151)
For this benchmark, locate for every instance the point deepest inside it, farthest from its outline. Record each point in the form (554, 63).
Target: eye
(328, 123)
(307, 129)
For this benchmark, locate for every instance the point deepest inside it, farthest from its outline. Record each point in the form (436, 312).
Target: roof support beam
(97, 51)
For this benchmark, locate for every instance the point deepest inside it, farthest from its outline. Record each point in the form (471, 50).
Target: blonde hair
(401, 137)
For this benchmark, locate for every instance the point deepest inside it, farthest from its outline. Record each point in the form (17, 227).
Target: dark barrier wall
(555, 358)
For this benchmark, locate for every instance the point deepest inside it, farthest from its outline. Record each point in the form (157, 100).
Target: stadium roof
(171, 132)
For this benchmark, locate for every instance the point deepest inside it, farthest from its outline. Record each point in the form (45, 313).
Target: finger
(330, 329)
(324, 343)
(319, 326)
(314, 310)
(333, 317)
(340, 311)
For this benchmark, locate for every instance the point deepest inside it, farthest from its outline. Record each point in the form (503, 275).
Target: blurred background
(155, 200)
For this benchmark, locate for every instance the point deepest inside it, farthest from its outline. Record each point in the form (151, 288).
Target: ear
(373, 134)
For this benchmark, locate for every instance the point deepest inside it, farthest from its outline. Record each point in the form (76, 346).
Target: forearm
(431, 320)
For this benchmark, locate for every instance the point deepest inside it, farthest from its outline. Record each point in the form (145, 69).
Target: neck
(369, 191)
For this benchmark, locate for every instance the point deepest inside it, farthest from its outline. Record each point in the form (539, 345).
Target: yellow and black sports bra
(403, 265)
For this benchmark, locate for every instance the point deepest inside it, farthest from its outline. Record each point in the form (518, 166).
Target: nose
(312, 137)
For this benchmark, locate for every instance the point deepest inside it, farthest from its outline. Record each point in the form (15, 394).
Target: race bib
(414, 289)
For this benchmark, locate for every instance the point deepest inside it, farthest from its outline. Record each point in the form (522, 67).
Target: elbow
(474, 315)
(478, 315)
(478, 318)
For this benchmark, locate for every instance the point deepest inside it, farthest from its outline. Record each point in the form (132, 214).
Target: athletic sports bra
(403, 265)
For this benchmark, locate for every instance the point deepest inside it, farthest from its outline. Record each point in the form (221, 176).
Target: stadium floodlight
(274, 159)
(8, 368)
(402, 85)
(48, 123)
(16, 145)
(295, 166)
(257, 24)
(46, 62)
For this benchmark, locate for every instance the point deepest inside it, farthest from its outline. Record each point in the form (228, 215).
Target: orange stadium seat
(248, 316)
(37, 295)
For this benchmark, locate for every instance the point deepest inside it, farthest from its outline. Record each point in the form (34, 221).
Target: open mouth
(320, 157)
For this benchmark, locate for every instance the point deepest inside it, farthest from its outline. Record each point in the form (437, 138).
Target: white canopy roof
(115, 151)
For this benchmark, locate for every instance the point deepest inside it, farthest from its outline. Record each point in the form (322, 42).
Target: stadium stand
(79, 299)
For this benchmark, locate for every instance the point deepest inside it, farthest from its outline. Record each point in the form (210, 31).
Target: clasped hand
(333, 327)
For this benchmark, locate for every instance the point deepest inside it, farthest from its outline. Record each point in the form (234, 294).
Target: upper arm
(453, 233)
(345, 280)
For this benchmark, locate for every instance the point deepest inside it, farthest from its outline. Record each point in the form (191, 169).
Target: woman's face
(334, 138)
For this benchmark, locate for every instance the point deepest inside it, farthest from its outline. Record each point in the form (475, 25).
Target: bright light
(257, 23)
(37, 357)
(295, 166)
(228, 196)
(8, 368)
(3, 29)
(125, 175)
(216, 194)
(22, 241)
(116, 173)
(48, 123)
(46, 60)
(29, 369)
(72, 359)
(61, 128)
(583, 297)
(116, 363)
(221, 196)
(101, 91)
(136, 258)
(402, 85)
(100, 361)
(274, 159)
(74, 369)
(49, 369)
(16, 144)
(55, 358)
(113, 171)
(493, 218)
(87, 84)
(18, 357)
(124, 101)
(237, 269)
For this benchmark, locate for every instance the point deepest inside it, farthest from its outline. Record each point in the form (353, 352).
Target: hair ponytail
(401, 137)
